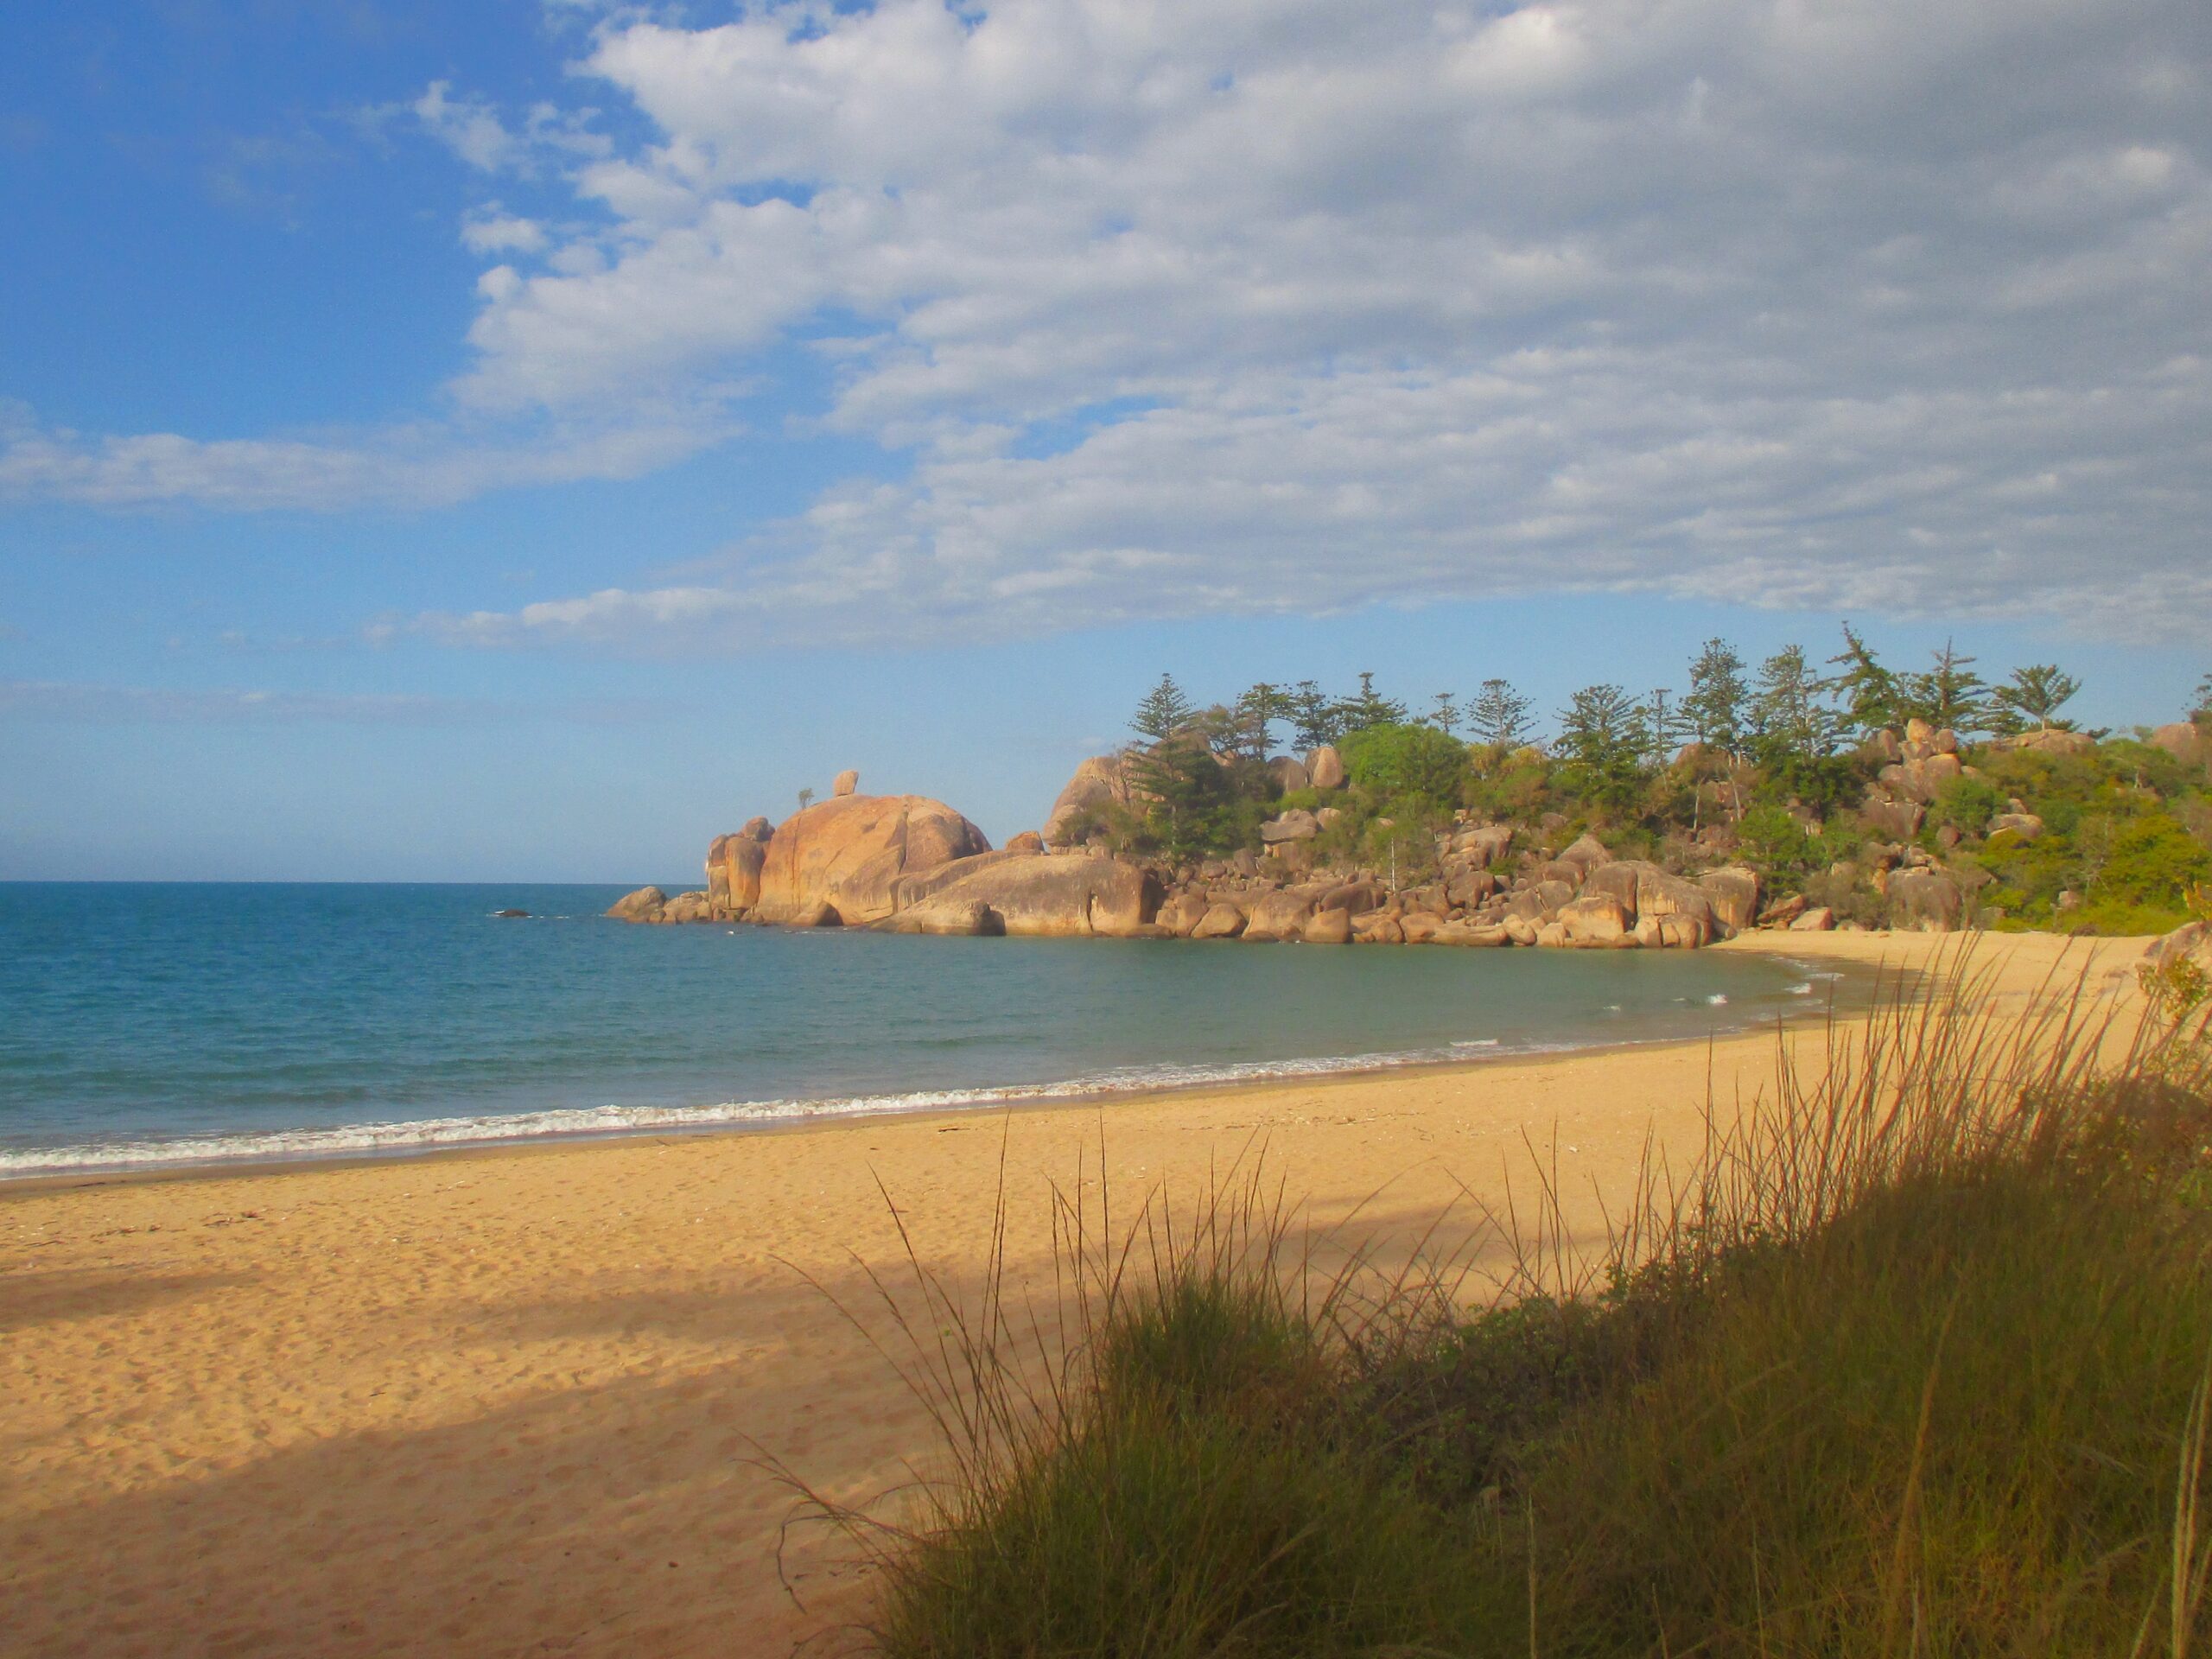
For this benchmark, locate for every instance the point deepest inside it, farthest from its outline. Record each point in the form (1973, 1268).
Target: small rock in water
(519, 914)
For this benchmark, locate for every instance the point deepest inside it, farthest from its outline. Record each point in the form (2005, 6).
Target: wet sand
(504, 1401)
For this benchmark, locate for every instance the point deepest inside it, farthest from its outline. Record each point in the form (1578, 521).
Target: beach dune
(508, 1401)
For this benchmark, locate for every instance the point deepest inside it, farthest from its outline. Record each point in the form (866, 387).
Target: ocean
(142, 1025)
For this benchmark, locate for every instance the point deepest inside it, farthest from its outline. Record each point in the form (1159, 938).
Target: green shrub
(1393, 760)
(2149, 864)
(1775, 844)
(1967, 804)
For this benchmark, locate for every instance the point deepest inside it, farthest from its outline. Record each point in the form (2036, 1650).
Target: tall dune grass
(1911, 1360)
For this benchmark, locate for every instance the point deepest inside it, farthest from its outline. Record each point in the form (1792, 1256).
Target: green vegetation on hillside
(1780, 765)
(1814, 1405)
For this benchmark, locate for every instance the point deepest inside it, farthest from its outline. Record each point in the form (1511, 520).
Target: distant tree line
(1788, 708)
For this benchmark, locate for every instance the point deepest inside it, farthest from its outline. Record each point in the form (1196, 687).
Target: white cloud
(103, 704)
(470, 127)
(1226, 305)
(430, 466)
(493, 230)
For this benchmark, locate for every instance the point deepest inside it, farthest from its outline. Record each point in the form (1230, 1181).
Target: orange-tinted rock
(850, 851)
(643, 906)
(1027, 841)
(1182, 912)
(1100, 782)
(733, 866)
(845, 783)
(1734, 895)
(1278, 916)
(1328, 927)
(1220, 922)
(1420, 926)
(1041, 895)
(1596, 918)
(1377, 927)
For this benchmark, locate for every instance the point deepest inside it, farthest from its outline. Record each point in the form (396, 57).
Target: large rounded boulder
(1036, 895)
(848, 853)
(645, 905)
(1100, 782)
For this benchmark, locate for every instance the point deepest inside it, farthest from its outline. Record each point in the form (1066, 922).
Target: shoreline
(482, 1135)
(496, 1403)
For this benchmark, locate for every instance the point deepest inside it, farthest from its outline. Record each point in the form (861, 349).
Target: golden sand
(504, 1401)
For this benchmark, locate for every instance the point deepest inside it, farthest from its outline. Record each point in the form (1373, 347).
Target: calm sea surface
(143, 1024)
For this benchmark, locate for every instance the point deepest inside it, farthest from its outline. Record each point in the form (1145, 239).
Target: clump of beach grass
(1913, 1359)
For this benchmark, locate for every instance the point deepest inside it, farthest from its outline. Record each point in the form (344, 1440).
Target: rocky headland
(911, 864)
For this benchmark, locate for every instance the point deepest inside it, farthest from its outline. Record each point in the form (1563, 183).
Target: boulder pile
(1580, 898)
(903, 863)
(911, 864)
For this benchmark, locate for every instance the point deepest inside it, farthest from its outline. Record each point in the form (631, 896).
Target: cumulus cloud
(1222, 306)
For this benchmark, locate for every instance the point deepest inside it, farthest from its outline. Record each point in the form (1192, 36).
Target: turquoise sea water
(148, 1024)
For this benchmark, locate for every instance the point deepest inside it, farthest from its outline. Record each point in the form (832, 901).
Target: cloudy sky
(520, 440)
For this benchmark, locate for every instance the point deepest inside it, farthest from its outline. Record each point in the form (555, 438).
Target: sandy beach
(504, 1401)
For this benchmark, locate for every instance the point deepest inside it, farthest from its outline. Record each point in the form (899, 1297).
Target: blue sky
(519, 441)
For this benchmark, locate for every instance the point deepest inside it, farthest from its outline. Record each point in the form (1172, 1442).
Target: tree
(1164, 712)
(805, 799)
(2036, 693)
(1398, 758)
(1254, 716)
(1192, 805)
(1313, 717)
(1791, 711)
(1868, 691)
(1499, 715)
(1713, 708)
(2201, 712)
(1663, 724)
(1796, 730)
(1367, 708)
(1602, 736)
(1949, 695)
(1445, 714)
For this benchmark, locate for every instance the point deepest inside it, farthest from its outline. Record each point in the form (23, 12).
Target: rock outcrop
(849, 853)
(1597, 919)
(1032, 895)
(2185, 741)
(1327, 927)
(1927, 899)
(1099, 782)
(1734, 895)
(1279, 916)
(1220, 922)
(1289, 773)
(733, 866)
(1325, 767)
(846, 783)
(645, 905)
(2047, 741)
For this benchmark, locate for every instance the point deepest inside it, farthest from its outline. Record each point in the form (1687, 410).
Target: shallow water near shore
(143, 1025)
